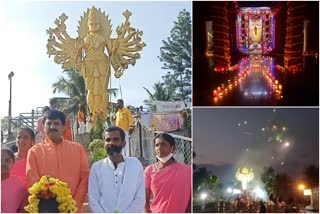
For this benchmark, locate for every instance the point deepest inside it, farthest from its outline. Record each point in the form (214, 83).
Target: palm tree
(113, 92)
(161, 93)
(208, 184)
(72, 85)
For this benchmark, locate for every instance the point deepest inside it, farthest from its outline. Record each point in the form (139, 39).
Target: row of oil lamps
(223, 89)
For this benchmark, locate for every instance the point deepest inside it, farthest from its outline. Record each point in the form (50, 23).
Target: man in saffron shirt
(39, 127)
(81, 121)
(59, 158)
(124, 120)
(67, 133)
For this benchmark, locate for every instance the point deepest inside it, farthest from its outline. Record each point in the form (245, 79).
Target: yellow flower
(43, 179)
(56, 188)
(32, 198)
(63, 206)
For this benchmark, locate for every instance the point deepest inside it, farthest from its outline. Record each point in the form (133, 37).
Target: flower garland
(50, 187)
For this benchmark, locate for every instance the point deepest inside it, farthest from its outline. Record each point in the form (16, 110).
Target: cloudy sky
(244, 137)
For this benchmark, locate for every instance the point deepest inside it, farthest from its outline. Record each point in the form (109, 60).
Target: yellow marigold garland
(50, 187)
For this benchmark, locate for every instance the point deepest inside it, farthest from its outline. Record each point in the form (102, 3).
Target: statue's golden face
(93, 25)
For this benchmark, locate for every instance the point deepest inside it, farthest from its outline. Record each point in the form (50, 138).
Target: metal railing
(141, 145)
(8, 144)
(28, 119)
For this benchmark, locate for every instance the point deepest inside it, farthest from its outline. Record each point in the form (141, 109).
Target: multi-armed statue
(86, 53)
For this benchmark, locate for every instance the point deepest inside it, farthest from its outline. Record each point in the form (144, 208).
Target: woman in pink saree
(167, 182)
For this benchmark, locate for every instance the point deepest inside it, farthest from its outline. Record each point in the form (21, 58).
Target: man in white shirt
(116, 184)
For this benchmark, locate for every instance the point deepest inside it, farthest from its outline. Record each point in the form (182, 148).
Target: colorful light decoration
(215, 93)
(242, 26)
(246, 65)
(294, 29)
(225, 69)
(272, 30)
(244, 175)
(280, 68)
(220, 39)
(292, 69)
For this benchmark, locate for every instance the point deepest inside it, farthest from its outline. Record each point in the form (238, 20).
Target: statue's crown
(93, 13)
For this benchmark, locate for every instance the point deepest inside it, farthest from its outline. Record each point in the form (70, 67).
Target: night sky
(247, 136)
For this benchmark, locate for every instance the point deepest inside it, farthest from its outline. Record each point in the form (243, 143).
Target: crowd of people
(246, 205)
(117, 183)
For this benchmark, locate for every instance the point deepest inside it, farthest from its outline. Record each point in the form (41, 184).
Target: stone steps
(83, 139)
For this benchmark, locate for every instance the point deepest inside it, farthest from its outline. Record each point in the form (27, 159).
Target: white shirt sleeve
(94, 191)
(138, 203)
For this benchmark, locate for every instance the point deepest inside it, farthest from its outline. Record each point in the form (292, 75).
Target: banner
(166, 106)
(166, 122)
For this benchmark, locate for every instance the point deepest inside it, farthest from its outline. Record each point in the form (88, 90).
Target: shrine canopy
(255, 30)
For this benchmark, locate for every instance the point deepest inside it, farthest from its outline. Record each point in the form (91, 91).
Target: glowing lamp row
(294, 68)
(280, 68)
(223, 69)
(221, 90)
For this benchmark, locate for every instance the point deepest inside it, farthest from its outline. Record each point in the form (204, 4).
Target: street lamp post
(10, 104)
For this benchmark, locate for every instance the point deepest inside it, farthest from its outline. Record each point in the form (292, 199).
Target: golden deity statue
(244, 175)
(87, 54)
(255, 31)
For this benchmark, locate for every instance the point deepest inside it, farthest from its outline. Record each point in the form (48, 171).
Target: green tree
(97, 150)
(176, 57)
(209, 184)
(199, 175)
(278, 185)
(161, 93)
(4, 124)
(72, 85)
(268, 177)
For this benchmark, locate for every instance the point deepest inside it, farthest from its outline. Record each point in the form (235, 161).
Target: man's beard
(113, 150)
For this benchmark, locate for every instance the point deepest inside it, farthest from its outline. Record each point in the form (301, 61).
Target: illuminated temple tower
(221, 35)
(294, 33)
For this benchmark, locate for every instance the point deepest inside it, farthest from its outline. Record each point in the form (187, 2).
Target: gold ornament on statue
(86, 53)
